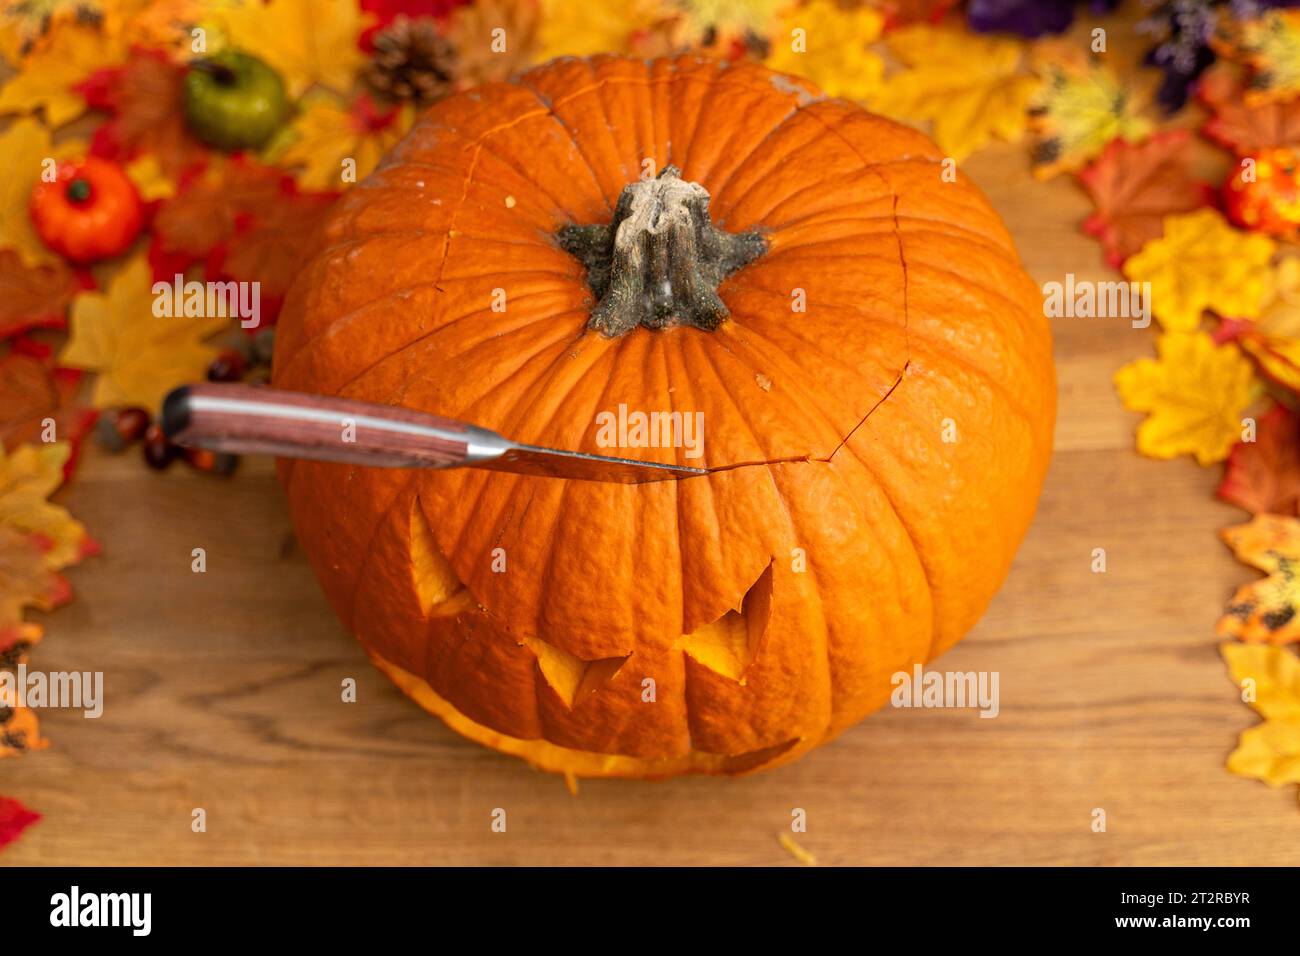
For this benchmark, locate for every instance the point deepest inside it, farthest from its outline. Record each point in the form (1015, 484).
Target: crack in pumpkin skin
(885, 576)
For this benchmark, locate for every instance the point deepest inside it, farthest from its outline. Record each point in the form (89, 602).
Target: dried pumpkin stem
(661, 260)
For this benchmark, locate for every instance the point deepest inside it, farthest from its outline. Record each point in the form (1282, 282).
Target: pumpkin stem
(661, 260)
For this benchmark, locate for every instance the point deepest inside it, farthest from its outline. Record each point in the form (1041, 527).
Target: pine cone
(412, 61)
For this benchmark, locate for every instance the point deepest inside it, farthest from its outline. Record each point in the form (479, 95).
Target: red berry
(158, 451)
(216, 462)
(120, 427)
(229, 366)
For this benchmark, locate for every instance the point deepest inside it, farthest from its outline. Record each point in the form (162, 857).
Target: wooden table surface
(223, 688)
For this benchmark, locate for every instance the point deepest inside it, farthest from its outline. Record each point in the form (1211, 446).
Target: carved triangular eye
(730, 643)
(439, 591)
(573, 678)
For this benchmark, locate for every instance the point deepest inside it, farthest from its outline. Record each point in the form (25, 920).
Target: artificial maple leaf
(33, 393)
(28, 476)
(479, 56)
(26, 581)
(147, 175)
(833, 51)
(731, 18)
(158, 25)
(1078, 110)
(1269, 680)
(1135, 186)
(1264, 475)
(1203, 263)
(307, 42)
(27, 27)
(1270, 45)
(14, 819)
(1265, 610)
(210, 206)
(35, 297)
(25, 146)
(901, 13)
(19, 732)
(1241, 128)
(1274, 338)
(1194, 392)
(1274, 676)
(275, 245)
(578, 29)
(14, 648)
(146, 100)
(328, 131)
(47, 80)
(139, 356)
(970, 88)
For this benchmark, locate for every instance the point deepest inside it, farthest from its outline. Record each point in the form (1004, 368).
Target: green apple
(234, 101)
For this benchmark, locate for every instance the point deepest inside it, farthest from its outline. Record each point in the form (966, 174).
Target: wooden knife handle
(253, 419)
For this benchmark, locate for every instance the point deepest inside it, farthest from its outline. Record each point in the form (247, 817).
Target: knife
(256, 419)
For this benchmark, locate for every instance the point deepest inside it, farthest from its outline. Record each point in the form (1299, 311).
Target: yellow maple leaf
(1270, 44)
(1194, 392)
(1274, 338)
(149, 179)
(21, 733)
(1269, 679)
(970, 87)
(307, 41)
(581, 29)
(327, 132)
(26, 146)
(1203, 263)
(28, 476)
(1268, 609)
(139, 356)
(732, 18)
(46, 79)
(480, 57)
(1078, 110)
(828, 45)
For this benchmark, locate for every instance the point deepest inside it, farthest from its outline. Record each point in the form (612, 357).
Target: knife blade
(257, 419)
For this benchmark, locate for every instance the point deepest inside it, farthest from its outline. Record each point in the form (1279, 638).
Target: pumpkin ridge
(800, 109)
(357, 379)
(933, 343)
(358, 314)
(385, 515)
(828, 358)
(1013, 401)
(739, 406)
(550, 106)
(813, 401)
(722, 187)
(731, 76)
(911, 534)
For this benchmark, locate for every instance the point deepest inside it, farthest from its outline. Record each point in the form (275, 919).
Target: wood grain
(223, 687)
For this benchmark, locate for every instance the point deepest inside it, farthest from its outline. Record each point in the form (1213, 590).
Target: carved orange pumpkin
(870, 360)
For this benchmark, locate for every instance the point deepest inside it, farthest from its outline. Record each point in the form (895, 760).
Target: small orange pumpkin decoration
(870, 360)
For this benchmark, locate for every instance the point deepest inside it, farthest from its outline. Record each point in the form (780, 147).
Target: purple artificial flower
(1029, 18)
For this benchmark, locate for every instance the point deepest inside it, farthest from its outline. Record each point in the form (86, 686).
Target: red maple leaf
(35, 298)
(14, 819)
(1135, 186)
(33, 391)
(1263, 476)
(146, 99)
(1241, 128)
